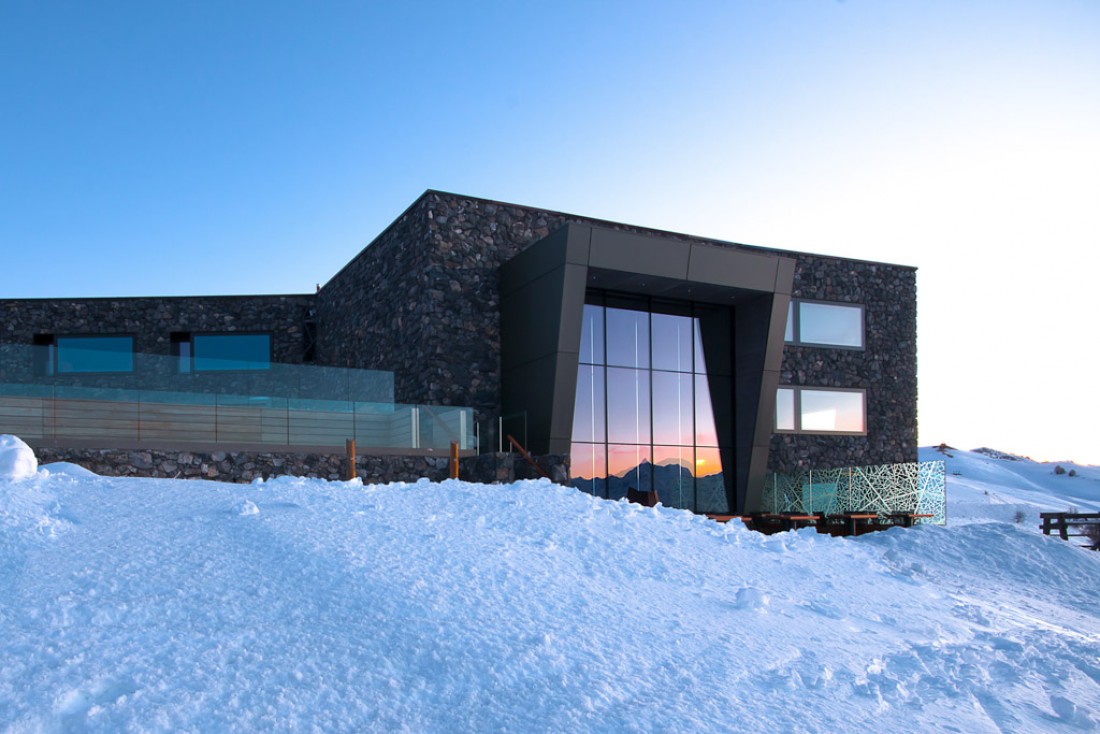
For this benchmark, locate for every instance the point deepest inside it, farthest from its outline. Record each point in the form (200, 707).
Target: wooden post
(454, 459)
(523, 452)
(350, 473)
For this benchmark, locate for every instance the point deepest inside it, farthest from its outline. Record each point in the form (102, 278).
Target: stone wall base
(244, 466)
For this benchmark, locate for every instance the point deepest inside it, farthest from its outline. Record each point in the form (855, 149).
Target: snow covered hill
(981, 487)
(161, 605)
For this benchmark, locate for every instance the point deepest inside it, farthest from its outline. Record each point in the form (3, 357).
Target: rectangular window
(812, 323)
(221, 352)
(816, 410)
(225, 352)
(70, 355)
(784, 410)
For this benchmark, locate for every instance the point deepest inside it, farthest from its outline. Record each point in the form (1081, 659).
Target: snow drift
(161, 605)
(17, 460)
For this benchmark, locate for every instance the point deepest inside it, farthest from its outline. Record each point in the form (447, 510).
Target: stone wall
(151, 320)
(244, 466)
(886, 368)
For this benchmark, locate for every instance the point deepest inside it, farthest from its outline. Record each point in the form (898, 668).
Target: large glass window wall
(643, 417)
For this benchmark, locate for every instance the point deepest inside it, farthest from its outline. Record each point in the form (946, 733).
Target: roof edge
(159, 298)
(654, 230)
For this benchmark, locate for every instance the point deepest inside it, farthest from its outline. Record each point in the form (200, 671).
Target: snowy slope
(161, 605)
(982, 488)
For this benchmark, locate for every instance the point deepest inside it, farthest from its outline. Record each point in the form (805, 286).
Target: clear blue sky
(254, 147)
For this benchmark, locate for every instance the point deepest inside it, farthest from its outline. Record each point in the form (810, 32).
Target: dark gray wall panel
(633, 253)
(732, 268)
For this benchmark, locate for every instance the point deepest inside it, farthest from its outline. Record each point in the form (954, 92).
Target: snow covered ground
(162, 605)
(983, 488)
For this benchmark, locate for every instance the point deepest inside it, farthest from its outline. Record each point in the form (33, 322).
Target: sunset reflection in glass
(643, 417)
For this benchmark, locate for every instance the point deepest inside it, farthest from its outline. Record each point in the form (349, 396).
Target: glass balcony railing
(46, 365)
(55, 414)
(299, 406)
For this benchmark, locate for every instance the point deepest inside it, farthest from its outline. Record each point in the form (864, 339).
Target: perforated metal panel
(912, 487)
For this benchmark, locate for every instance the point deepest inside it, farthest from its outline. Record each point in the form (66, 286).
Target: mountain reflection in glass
(643, 415)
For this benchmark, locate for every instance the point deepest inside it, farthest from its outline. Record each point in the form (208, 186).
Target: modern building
(650, 359)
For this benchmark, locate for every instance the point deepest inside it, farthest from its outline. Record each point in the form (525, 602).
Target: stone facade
(423, 301)
(886, 368)
(151, 320)
(244, 466)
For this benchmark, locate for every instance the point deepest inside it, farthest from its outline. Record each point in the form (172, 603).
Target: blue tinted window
(627, 338)
(824, 324)
(214, 352)
(673, 409)
(628, 413)
(784, 409)
(77, 354)
(672, 342)
(588, 415)
(592, 335)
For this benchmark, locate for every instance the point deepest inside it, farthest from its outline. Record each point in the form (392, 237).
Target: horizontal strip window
(76, 355)
(221, 352)
(818, 324)
(815, 410)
